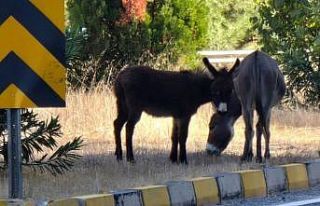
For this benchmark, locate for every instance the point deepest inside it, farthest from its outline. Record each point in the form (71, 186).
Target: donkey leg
(132, 120)
(118, 124)
(174, 139)
(266, 133)
(247, 151)
(184, 124)
(259, 129)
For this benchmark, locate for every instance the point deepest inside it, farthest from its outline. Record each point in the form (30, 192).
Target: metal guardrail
(224, 56)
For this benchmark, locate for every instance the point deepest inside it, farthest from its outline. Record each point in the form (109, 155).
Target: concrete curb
(203, 190)
(276, 179)
(253, 183)
(93, 200)
(14, 202)
(206, 190)
(297, 176)
(155, 195)
(64, 202)
(130, 197)
(229, 184)
(181, 193)
(313, 169)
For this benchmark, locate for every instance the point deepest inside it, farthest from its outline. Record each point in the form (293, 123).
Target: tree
(111, 36)
(160, 33)
(128, 32)
(178, 28)
(96, 18)
(110, 26)
(290, 30)
(229, 23)
(39, 138)
(133, 10)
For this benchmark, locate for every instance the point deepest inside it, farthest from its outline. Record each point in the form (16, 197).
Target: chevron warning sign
(32, 59)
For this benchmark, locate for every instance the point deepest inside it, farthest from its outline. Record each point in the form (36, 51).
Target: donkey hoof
(130, 159)
(247, 158)
(173, 159)
(185, 162)
(119, 157)
(258, 159)
(267, 156)
(132, 162)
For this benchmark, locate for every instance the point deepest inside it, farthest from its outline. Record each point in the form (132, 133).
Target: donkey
(162, 94)
(258, 84)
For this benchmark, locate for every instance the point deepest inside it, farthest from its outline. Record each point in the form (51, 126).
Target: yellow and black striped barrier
(32, 54)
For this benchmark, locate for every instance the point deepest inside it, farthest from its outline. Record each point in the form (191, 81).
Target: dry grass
(295, 137)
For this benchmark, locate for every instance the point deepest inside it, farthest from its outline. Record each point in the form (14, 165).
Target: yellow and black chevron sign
(32, 57)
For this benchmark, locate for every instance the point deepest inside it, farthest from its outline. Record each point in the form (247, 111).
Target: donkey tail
(119, 92)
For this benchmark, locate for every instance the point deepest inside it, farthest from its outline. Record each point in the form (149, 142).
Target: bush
(290, 30)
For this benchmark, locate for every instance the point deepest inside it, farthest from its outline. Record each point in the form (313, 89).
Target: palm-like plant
(40, 149)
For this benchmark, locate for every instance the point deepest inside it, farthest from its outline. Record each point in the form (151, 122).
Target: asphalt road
(279, 198)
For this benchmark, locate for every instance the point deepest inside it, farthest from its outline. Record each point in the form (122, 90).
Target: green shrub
(290, 30)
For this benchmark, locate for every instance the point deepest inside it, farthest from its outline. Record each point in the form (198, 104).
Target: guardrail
(224, 56)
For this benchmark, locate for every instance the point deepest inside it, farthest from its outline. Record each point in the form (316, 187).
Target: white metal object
(224, 56)
(225, 52)
(302, 202)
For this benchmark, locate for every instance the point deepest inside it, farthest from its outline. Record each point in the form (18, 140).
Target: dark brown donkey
(161, 94)
(258, 84)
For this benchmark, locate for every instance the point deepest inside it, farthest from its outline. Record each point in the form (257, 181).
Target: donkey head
(222, 86)
(220, 133)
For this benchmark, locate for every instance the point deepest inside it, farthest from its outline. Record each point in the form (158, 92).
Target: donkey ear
(210, 67)
(236, 64)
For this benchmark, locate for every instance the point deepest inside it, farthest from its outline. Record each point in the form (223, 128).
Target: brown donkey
(162, 94)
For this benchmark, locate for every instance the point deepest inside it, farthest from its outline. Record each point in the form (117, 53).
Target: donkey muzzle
(222, 107)
(212, 150)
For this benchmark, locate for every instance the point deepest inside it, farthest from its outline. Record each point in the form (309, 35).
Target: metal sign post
(14, 153)
(32, 68)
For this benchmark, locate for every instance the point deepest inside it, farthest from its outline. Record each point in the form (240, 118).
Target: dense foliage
(125, 30)
(229, 23)
(290, 30)
(178, 28)
(111, 34)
